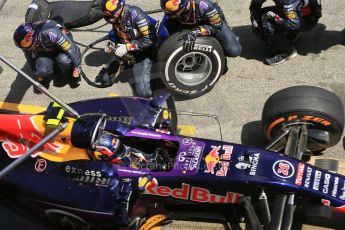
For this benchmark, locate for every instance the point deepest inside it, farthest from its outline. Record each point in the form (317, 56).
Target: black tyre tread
(93, 16)
(42, 13)
(304, 99)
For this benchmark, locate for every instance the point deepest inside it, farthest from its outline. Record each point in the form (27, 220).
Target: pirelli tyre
(73, 14)
(190, 74)
(320, 109)
(38, 10)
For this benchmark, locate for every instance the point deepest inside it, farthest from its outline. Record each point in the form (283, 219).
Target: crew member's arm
(57, 37)
(255, 8)
(292, 15)
(147, 33)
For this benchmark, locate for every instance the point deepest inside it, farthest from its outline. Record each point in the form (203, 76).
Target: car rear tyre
(320, 109)
(191, 74)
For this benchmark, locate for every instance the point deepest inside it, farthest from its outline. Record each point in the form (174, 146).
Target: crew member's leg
(273, 35)
(65, 65)
(142, 77)
(229, 41)
(44, 68)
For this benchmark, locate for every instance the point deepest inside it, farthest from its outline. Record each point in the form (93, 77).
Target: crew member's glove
(189, 40)
(273, 16)
(76, 72)
(121, 50)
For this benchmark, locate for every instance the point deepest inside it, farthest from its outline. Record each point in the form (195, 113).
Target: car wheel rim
(193, 68)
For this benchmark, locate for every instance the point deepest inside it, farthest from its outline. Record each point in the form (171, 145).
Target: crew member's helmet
(113, 9)
(108, 147)
(25, 36)
(174, 7)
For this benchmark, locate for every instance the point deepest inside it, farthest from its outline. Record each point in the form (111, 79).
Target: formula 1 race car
(188, 74)
(51, 175)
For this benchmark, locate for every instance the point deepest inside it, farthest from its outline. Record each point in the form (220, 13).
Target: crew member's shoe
(74, 82)
(280, 58)
(44, 82)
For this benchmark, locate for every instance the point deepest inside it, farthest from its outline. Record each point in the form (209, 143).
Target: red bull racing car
(48, 172)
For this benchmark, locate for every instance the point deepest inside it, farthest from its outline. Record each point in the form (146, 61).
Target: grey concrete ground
(238, 97)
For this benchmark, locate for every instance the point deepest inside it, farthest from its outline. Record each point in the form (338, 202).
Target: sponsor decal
(326, 182)
(66, 46)
(146, 134)
(335, 187)
(147, 182)
(189, 160)
(317, 179)
(203, 7)
(132, 46)
(249, 162)
(342, 195)
(40, 165)
(299, 175)
(153, 221)
(111, 5)
(196, 194)
(212, 159)
(221, 161)
(53, 37)
(134, 15)
(254, 164)
(187, 141)
(290, 15)
(23, 134)
(308, 177)
(122, 119)
(86, 176)
(27, 40)
(283, 169)
(131, 171)
(205, 48)
(242, 164)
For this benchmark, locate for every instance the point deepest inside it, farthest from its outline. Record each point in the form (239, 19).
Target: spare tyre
(38, 10)
(194, 73)
(72, 14)
(320, 109)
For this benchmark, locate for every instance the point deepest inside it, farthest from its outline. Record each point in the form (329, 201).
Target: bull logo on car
(212, 159)
(21, 135)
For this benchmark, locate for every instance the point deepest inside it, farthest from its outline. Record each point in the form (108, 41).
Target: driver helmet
(108, 147)
(174, 8)
(25, 36)
(112, 9)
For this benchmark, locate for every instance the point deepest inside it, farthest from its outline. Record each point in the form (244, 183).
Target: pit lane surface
(238, 97)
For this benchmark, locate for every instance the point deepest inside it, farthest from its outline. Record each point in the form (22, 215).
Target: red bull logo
(212, 159)
(172, 5)
(111, 5)
(27, 40)
(22, 133)
(196, 194)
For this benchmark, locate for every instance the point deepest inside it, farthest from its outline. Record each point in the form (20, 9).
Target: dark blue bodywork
(204, 172)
